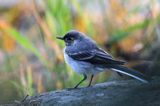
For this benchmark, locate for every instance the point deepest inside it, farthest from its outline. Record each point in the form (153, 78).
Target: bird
(86, 58)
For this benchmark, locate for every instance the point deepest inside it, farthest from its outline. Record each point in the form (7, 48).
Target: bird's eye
(70, 39)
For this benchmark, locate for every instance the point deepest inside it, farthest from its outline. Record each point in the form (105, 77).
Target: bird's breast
(79, 67)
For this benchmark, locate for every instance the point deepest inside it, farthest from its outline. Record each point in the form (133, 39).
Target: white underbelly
(81, 67)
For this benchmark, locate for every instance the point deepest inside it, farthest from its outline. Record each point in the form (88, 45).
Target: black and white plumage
(85, 57)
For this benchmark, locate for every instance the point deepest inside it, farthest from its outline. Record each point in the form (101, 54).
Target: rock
(115, 93)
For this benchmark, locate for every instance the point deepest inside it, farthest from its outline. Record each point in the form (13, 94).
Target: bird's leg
(90, 80)
(84, 78)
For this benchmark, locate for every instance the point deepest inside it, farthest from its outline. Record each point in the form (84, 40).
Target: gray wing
(96, 56)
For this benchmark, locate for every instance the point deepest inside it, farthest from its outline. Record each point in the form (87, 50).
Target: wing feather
(96, 56)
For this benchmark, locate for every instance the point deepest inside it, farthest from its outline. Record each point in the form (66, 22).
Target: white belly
(81, 67)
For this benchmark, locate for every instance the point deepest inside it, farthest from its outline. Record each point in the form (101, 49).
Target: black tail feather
(130, 72)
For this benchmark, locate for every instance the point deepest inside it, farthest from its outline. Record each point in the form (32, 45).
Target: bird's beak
(61, 38)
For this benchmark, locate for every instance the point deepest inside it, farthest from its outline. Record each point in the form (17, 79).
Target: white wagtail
(85, 57)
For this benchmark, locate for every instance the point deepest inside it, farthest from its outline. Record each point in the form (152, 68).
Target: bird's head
(71, 37)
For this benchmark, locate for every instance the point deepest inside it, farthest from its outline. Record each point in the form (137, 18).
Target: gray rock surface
(115, 93)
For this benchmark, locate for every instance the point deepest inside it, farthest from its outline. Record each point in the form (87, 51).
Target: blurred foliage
(31, 59)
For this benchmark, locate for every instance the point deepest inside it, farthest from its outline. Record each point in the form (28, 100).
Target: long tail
(130, 72)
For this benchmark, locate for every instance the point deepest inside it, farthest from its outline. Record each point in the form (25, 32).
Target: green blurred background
(31, 58)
